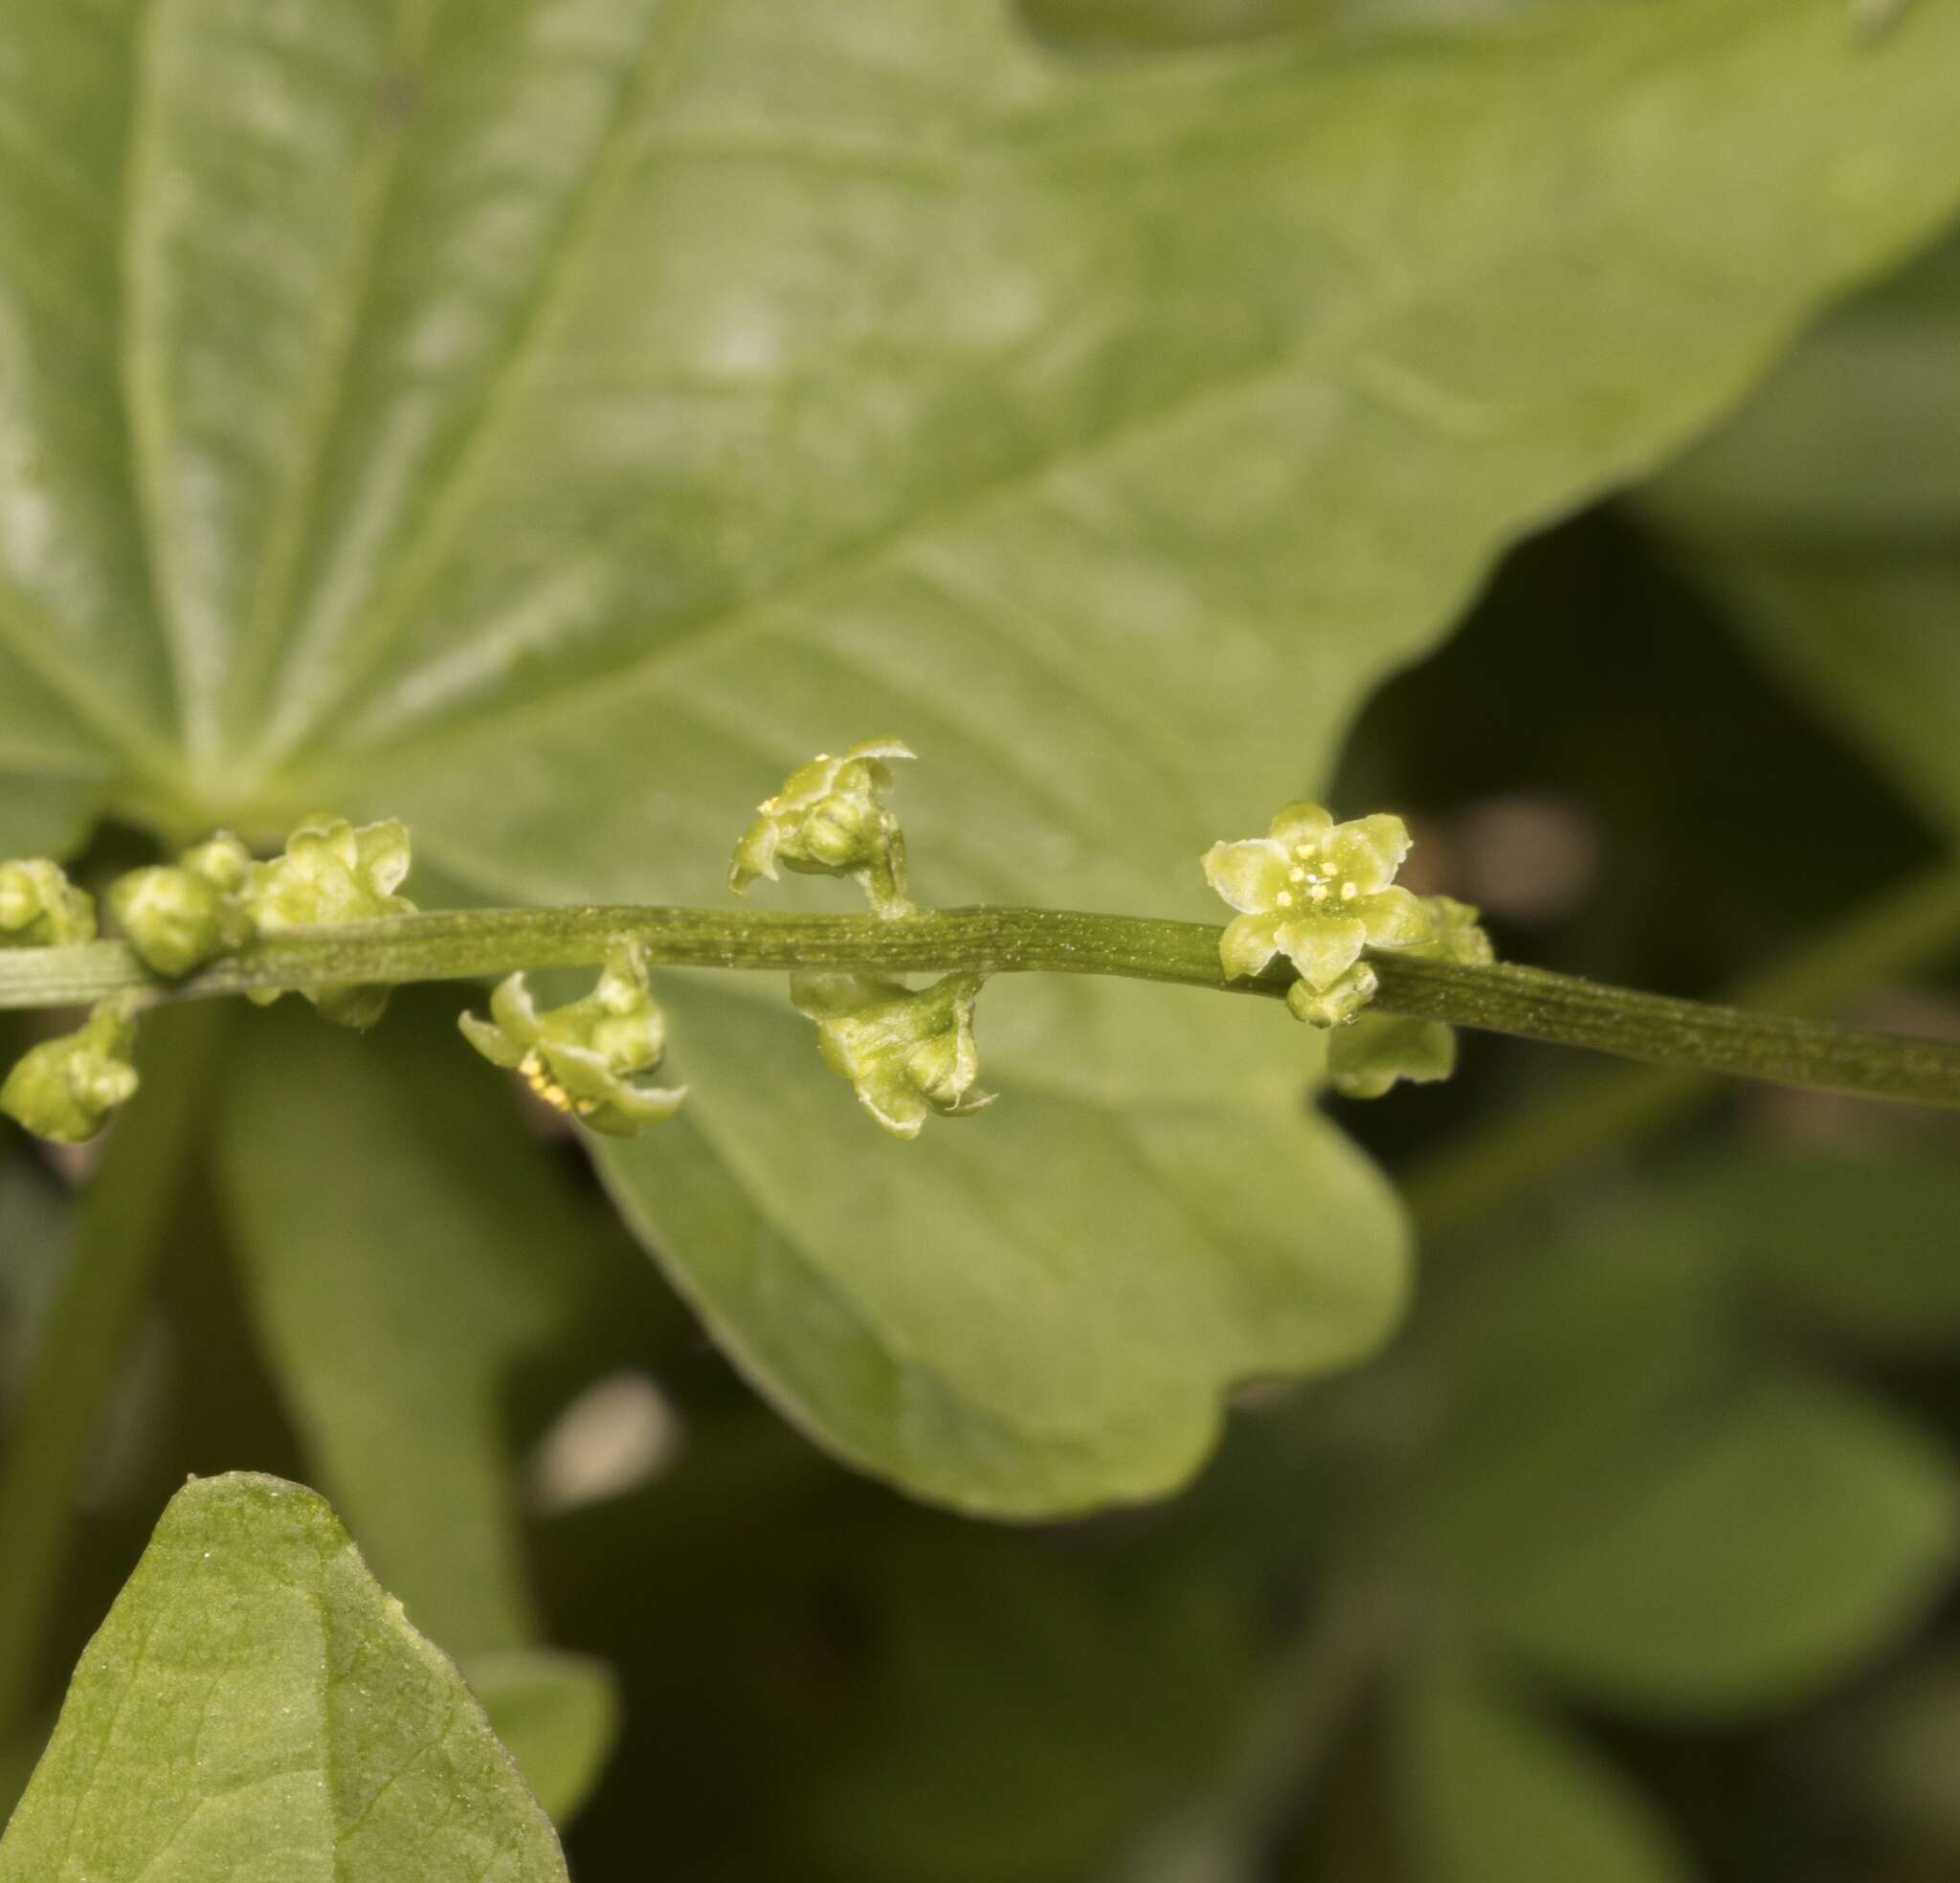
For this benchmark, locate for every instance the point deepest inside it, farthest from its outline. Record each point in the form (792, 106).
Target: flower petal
(1249, 943)
(1251, 874)
(1369, 851)
(1323, 947)
(1301, 822)
(1396, 918)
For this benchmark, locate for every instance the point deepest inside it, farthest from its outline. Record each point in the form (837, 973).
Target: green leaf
(1031, 1317)
(1623, 1487)
(1786, 1539)
(410, 1255)
(1824, 511)
(1492, 1792)
(558, 1715)
(1866, 1244)
(256, 1707)
(557, 419)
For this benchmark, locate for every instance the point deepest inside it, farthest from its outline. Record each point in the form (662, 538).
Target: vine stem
(1528, 1003)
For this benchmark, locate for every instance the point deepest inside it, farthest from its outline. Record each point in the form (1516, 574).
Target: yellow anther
(1350, 891)
(1320, 891)
(1303, 850)
(1296, 875)
(1285, 899)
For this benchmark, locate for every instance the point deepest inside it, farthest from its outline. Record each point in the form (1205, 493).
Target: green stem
(55, 1422)
(1526, 1002)
(1916, 924)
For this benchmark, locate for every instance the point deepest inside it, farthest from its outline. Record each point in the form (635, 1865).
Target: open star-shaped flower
(1316, 892)
(583, 1057)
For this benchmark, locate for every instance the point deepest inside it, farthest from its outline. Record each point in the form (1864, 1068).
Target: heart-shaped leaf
(549, 421)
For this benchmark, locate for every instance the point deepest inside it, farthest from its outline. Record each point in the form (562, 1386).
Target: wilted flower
(66, 1088)
(908, 1054)
(332, 872)
(40, 908)
(833, 818)
(582, 1057)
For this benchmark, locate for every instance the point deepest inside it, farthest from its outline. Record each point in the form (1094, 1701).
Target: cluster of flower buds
(328, 872)
(833, 818)
(583, 1059)
(908, 1054)
(65, 1088)
(1319, 893)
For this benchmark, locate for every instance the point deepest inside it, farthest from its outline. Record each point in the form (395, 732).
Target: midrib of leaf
(368, 643)
(817, 582)
(144, 394)
(285, 542)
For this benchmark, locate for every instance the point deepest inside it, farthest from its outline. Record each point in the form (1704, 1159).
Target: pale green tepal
(908, 1054)
(582, 1057)
(179, 916)
(1318, 893)
(40, 908)
(332, 872)
(65, 1089)
(1377, 1050)
(833, 818)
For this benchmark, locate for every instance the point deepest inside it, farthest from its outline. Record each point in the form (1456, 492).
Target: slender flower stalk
(1530, 1003)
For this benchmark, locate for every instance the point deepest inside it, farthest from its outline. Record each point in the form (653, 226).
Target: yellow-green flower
(65, 1089)
(908, 1054)
(40, 908)
(332, 872)
(582, 1057)
(1318, 893)
(833, 818)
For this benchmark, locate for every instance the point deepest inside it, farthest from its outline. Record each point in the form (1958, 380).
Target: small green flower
(180, 916)
(65, 1089)
(908, 1054)
(1318, 893)
(331, 873)
(40, 908)
(582, 1057)
(833, 818)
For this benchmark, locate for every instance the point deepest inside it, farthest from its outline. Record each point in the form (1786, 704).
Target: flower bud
(65, 1089)
(40, 908)
(180, 916)
(1335, 1006)
(908, 1054)
(582, 1057)
(833, 818)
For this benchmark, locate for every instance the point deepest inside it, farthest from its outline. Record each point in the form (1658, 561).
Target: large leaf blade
(256, 1707)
